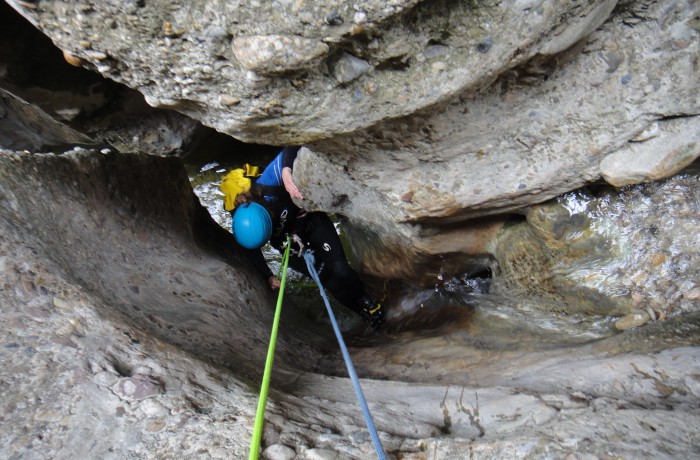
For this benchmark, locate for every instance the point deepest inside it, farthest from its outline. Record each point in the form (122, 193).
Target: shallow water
(466, 314)
(653, 233)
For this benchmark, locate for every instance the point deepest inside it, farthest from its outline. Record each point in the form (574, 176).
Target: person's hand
(289, 183)
(273, 282)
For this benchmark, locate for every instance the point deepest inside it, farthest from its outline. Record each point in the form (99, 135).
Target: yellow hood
(236, 182)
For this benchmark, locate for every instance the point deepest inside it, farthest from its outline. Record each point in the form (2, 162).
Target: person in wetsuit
(275, 189)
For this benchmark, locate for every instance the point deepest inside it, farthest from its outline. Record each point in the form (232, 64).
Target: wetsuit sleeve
(258, 260)
(289, 154)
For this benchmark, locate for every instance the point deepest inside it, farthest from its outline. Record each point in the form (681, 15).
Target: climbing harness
(298, 241)
(260, 414)
(309, 258)
(296, 284)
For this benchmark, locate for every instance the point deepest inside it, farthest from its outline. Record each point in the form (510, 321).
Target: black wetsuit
(316, 231)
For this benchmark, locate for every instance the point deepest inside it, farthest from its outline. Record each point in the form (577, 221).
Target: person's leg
(338, 277)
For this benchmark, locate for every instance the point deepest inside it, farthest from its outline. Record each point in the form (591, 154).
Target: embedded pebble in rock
(270, 54)
(632, 320)
(97, 55)
(435, 51)
(360, 17)
(439, 66)
(485, 46)
(152, 408)
(229, 100)
(693, 294)
(137, 387)
(321, 454)
(72, 59)
(278, 452)
(105, 379)
(334, 19)
(348, 68)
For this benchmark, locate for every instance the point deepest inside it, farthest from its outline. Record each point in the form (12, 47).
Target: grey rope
(309, 258)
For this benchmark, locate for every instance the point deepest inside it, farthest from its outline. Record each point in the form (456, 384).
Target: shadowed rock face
(76, 203)
(451, 138)
(26, 127)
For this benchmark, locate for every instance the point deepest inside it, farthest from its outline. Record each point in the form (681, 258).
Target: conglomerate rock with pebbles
(550, 144)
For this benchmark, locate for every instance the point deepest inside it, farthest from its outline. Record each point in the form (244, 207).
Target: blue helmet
(251, 225)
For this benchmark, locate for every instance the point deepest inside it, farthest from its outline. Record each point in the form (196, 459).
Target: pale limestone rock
(662, 151)
(157, 39)
(535, 134)
(155, 370)
(155, 331)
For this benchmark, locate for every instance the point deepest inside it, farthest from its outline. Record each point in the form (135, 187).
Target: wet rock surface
(608, 251)
(164, 219)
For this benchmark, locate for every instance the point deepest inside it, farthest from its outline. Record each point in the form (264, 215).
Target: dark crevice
(676, 116)
(123, 369)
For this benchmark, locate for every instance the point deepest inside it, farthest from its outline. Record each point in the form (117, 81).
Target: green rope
(260, 415)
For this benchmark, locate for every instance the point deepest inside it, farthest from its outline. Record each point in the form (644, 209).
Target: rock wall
(251, 69)
(106, 113)
(450, 138)
(616, 107)
(419, 116)
(127, 332)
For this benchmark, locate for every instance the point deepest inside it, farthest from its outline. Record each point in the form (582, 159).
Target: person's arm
(258, 260)
(289, 154)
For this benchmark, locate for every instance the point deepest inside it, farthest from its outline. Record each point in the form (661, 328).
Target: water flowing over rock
(606, 252)
(518, 179)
